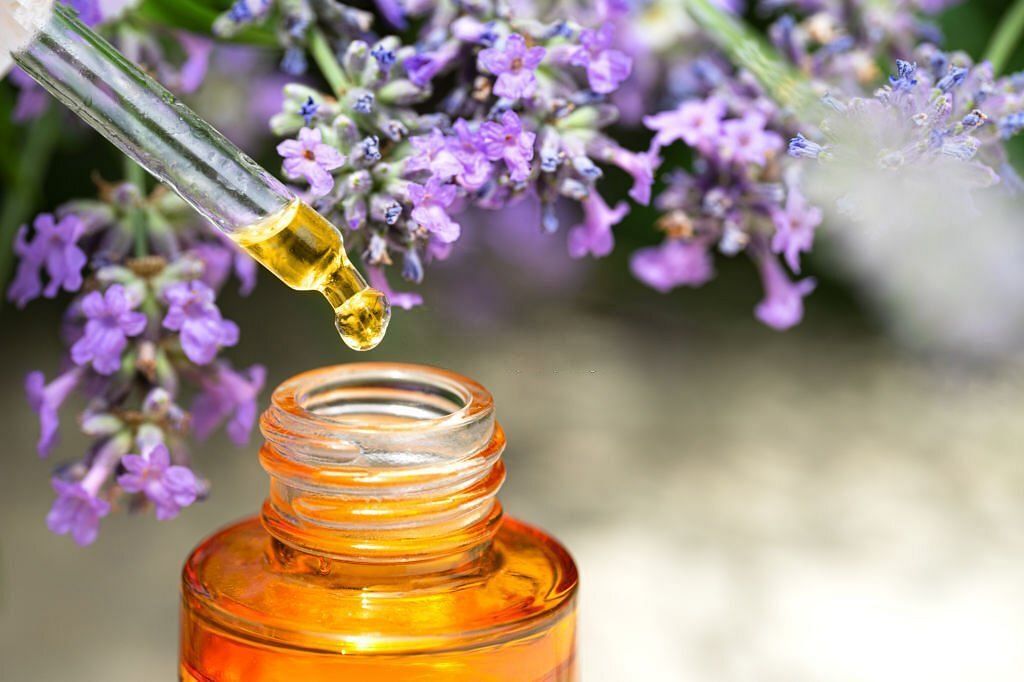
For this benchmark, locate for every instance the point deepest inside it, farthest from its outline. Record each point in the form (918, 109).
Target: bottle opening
(379, 415)
(381, 460)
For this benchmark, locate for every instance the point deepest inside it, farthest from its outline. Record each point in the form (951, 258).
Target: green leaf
(198, 16)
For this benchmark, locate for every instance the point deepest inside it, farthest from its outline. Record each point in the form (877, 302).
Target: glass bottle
(381, 552)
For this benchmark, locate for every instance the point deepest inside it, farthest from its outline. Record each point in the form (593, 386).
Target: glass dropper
(215, 177)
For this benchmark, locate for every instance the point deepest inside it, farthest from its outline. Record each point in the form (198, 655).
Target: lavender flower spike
(514, 65)
(192, 311)
(169, 487)
(111, 319)
(308, 157)
(46, 400)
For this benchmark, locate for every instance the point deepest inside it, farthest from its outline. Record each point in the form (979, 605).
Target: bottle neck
(382, 463)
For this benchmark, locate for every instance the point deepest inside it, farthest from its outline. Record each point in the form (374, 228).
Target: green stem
(34, 158)
(1007, 37)
(748, 50)
(135, 174)
(324, 57)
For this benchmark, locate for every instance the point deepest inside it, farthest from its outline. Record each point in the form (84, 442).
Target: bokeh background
(820, 505)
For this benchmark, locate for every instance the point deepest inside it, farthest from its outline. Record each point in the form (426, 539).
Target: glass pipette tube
(169, 140)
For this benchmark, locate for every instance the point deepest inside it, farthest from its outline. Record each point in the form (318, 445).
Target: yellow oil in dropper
(308, 253)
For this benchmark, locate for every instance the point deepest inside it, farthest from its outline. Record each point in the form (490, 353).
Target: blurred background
(822, 504)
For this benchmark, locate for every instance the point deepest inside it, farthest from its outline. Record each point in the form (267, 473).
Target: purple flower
(606, 68)
(197, 61)
(467, 147)
(801, 147)
(594, 235)
(794, 228)
(429, 203)
(32, 99)
(308, 157)
(54, 245)
(673, 264)
(192, 311)
(46, 400)
(421, 68)
(406, 300)
(89, 11)
(745, 141)
(169, 487)
(507, 140)
(76, 511)
(111, 319)
(783, 303)
(432, 154)
(220, 260)
(27, 284)
(393, 12)
(514, 66)
(309, 110)
(228, 395)
(641, 167)
(697, 123)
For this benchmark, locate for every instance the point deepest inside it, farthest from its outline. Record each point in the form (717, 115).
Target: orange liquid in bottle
(390, 563)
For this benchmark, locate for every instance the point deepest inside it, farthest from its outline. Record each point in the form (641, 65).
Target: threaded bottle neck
(382, 463)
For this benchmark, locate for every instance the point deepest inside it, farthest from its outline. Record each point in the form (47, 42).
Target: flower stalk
(1007, 37)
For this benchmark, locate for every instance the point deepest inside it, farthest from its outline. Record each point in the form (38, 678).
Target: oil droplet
(363, 319)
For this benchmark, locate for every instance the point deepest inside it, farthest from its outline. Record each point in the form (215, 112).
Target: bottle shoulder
(241, 581)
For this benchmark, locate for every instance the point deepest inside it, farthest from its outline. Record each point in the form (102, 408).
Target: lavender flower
(169, 487)
(46, 400)
(508, 141)
(192, 312)
(794, 228)
(111, 320)
(55, 247)
(594, 236)
(467, 146)
(228, 396)
(309, 158)
(432, 154)
(119, 324)
(400, 299)
(514, 64)
(697, 123)
(746, 140)
(783, 304)
(429, 204)
(32, 99)
(77, 511)
(673, 264)
(606, 68)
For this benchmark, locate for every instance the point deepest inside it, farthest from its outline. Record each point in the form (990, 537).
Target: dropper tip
(363, 319)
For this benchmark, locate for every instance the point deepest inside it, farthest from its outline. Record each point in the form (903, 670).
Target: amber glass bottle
(381, 553)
